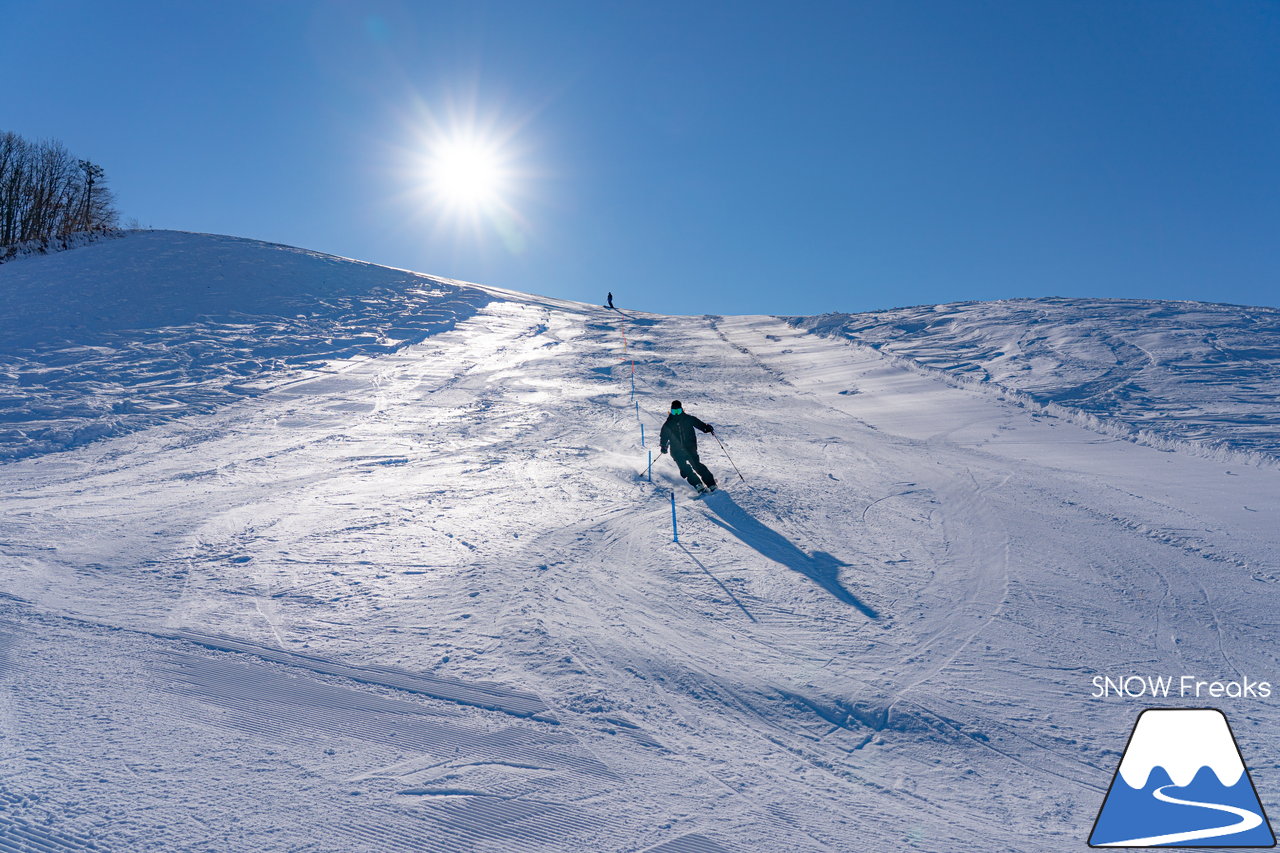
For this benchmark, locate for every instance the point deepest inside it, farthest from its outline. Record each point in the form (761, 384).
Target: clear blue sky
(697, 157)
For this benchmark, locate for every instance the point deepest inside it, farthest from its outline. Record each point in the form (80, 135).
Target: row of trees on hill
(46, 194)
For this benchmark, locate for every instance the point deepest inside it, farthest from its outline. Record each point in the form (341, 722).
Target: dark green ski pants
(691, 468)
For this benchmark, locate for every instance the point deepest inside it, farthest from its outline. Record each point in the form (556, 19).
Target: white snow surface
(426, 600)
(123, 334)
(1182, 741)
(1193, 375)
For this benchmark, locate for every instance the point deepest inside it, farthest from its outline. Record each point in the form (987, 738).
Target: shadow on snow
(819, 567)
(726, 589)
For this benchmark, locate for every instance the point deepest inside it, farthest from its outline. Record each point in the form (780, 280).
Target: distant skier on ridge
(678, 436)
(610, 305)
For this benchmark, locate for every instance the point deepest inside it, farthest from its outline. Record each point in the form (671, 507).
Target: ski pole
(727, 456)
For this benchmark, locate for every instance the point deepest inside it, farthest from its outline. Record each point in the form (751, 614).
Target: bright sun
(466, 173)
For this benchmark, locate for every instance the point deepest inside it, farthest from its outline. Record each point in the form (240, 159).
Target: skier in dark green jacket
(679, 438)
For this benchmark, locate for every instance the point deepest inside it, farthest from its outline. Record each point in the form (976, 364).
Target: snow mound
(1192, 375)
(124, 334)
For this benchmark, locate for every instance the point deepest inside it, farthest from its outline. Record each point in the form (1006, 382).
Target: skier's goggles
(677, 411)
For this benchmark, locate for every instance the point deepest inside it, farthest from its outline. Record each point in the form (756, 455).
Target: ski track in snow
(1193, 375)
(428, 601)
(165, 325)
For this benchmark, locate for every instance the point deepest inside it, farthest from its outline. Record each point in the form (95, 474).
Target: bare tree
(45, 193)
(92, 174)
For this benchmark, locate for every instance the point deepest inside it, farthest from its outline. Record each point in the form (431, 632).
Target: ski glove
(711, 429)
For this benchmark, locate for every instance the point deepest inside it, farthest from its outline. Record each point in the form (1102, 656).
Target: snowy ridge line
(1213, 449)
(260, 700)
(139, 332)
(57, 244)
(487, 695)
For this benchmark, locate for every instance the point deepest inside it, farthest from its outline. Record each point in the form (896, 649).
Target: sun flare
(466, 173)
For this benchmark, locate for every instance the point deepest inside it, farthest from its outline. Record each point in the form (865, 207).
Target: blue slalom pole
(675, 534)
(642, 435)
(650, 466)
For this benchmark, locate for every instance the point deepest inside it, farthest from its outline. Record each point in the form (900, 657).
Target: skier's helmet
(676, 408)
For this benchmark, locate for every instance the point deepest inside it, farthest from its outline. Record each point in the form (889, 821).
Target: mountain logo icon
(1182, 783)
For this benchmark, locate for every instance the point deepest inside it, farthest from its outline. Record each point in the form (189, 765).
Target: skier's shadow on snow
(819, 567)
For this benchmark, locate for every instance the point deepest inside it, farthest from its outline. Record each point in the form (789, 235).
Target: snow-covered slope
(123, 334)
(1188, 374)
(427, 601)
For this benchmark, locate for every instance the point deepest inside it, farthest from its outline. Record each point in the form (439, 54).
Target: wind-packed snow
(124, 334)
(428, 600)
(1194, 374)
